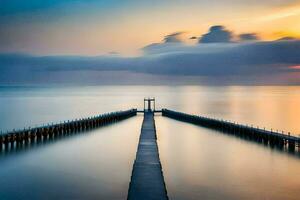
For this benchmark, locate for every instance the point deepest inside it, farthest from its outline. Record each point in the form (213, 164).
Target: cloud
(114, 53)
(227, 59)
(174, 37)
(171, 40)
(216, 34)
(220, 62)
(248, 37)
(156, 48)
(287, 38)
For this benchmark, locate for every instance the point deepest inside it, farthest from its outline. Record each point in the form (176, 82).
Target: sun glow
(297, 67)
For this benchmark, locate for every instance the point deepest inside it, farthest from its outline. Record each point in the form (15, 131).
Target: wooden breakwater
(267, 137)
(13, 139)
(147, 181)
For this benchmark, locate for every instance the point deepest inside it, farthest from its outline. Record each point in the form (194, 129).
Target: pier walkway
(147, 181)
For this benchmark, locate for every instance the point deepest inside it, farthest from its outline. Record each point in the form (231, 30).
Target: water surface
(93, 165)
(265, 106)
(198, 163)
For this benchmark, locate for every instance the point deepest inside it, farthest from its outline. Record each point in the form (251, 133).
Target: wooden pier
(260, 135)
(147, 181)
(15, 139)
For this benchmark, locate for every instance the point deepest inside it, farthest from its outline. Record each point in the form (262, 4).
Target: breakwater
(267, 137)
(16, 138)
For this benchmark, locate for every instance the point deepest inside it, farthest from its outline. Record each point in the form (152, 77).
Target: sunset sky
(97, 27)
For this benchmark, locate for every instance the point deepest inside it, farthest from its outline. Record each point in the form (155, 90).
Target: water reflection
(199, 163)
(33, 144)
(91, 165)
(264, 106)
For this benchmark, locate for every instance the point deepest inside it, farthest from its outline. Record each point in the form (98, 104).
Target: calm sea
(198, 163)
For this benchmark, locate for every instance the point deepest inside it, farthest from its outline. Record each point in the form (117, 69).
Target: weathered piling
(147, 181)
(252, 133)
(15, 138)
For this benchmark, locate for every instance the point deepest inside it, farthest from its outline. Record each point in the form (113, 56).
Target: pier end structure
(148, 103)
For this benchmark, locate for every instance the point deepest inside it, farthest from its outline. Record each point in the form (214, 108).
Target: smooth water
(198, 163)
(93, 165)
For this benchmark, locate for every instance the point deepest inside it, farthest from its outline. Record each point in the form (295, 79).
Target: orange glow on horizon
(295, 67)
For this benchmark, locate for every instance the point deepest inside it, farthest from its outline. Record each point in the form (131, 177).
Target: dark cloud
(174, 37)
(155, 48)
(193, 38)
(248, 37)
(216, 34)
(228, 59)
(218, 61)
(172, 40)
(114, 53)
(286, 38)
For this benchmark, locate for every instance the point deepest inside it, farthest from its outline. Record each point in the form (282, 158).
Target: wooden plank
(147, 180)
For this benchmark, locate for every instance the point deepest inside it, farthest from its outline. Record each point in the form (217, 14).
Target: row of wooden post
(31, 135)
(260, 135)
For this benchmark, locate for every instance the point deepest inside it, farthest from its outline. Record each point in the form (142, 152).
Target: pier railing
(261, 135)
(18, 137)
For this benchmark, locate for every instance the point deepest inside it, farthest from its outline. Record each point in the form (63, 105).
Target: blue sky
(95, 27)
